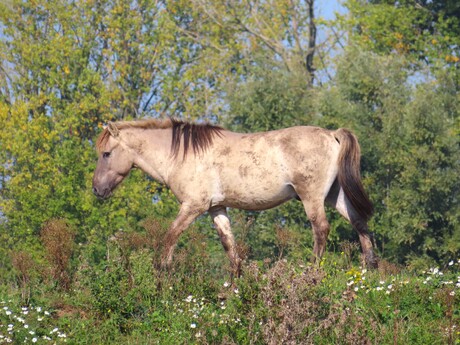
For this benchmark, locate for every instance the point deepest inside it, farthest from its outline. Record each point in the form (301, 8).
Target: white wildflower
(451, 262)
(193, 325)
(226, 284)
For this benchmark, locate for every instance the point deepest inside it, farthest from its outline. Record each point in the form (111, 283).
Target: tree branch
(311, 40)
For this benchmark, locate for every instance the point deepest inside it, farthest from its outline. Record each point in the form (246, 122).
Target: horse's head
(114, 163)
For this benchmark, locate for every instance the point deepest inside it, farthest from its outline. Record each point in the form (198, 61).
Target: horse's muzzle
(102, 193)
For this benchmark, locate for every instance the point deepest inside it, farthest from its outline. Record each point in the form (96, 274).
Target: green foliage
(425, 31)
(126, 300)
(410, 150)
(66, 68)
(271, 98)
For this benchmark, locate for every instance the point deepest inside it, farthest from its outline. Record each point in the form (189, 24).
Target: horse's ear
(113, 129)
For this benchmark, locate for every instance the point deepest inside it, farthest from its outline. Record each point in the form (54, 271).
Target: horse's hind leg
(337, 198)
(317, 216)
(222, 223)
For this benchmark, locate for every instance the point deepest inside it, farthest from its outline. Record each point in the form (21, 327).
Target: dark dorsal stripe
(198, 137)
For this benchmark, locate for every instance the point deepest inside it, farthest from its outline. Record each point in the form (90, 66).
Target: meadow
(125, 299)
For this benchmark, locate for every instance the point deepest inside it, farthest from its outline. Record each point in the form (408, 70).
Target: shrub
(57, 238)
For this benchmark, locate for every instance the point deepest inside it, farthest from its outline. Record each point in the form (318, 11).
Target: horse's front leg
(222, 223)
(185, 217)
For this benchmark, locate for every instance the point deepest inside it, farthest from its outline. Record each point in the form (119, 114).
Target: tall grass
(126, 299)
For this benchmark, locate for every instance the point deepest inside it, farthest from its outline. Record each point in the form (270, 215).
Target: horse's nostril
(95, 190)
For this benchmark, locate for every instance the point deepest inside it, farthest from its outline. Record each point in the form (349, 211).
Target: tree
(410, 144)
(67, 68)
(423, 31)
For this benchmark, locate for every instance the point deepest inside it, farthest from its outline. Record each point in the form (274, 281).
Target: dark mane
(197, 136)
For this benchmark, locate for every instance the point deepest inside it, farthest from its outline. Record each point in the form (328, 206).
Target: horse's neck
(152, 149)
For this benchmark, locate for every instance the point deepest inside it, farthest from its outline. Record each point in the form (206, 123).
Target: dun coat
(209, 169)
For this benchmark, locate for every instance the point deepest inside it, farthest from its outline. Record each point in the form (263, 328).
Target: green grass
(124, 300)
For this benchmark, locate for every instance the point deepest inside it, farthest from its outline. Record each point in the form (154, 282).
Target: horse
(210, 169)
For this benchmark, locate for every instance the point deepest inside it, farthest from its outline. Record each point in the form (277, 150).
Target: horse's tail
(349, 176)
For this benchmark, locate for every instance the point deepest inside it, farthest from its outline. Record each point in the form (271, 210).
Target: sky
(327, 8)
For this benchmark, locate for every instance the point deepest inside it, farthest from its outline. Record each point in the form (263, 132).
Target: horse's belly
(257, 198)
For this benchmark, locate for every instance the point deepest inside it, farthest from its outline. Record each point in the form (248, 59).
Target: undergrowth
(124, 299)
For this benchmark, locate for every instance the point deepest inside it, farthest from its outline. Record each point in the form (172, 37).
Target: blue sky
(327, 8)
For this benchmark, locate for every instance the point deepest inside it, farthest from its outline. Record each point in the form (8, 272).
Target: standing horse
(209, 169)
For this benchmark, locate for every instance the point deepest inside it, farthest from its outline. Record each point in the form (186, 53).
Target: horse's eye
(106, 154)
